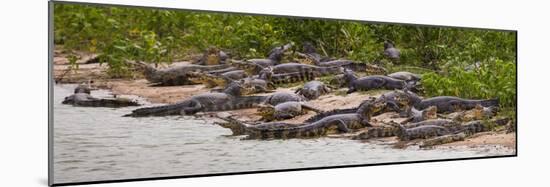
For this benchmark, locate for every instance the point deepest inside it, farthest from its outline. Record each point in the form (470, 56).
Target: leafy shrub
(493, 79)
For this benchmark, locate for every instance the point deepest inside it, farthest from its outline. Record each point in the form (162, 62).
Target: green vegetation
(491, 80)
(162, 36)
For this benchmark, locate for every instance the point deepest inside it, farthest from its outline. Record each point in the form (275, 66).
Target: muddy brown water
(92, 144)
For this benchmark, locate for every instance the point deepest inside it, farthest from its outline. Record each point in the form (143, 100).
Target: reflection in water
(98, 144)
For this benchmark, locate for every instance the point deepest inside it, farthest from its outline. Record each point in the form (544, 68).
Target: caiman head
(430, 113)
(371, 106)
(248, 67)
(266, 111)
(277, 53)
(244, 88)
(232, 124)
(212, 56)
(399, 130)
(69, 99)
(236, 89)
(147, 70)
(388, 44)
(477, 113)
(414, 99)
(206, 79)
(402, 98)
(85, 87)
(197, 77)
(349, 76)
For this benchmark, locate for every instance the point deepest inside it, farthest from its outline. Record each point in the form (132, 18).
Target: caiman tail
(286, 78)
(482, 126)
(165, 110)
(368, 68)
(324, 71)
(322, 115)
(376, 132)
(490, 102)
(237, 103)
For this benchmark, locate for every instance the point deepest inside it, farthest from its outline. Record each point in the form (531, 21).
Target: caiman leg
(262, 89)
(342, 127)
(351, 90)
(272, 86)
(393, 106)
(406, 112)
(192, 108)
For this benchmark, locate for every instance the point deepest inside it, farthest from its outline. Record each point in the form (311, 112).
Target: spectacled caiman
(374, 82)
(406, 76)
(370, 69)
(172, 76)
(229, 99)
(328, 125)
(286, 110)
(477, 113)
(82, 98)
(266, 80)
(390, 51)
(253, 66)
(447, 104)
(395, 101)
(313, 89)
(428, 131)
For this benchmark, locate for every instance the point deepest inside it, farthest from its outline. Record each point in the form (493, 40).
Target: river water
(92, 144)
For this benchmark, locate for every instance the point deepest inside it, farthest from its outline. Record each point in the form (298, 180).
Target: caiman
(468, 129)
(286, 110)
(328, 125)
(313, 90)
(281, 97)
(82, 98)
(421, 132)
(390, 51)
(266, 80)
(401, 101)
(172, 76)
(288, 72)
(229, 99)
(406, 76)
(442, 128)
(395, 101)
(392, 128)
(297, 67)
(285, 78)
(422, 115)
(211, 80)
(370, 69)
(253, 66)
(477, 113)
(447, 104)
(373, 82)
